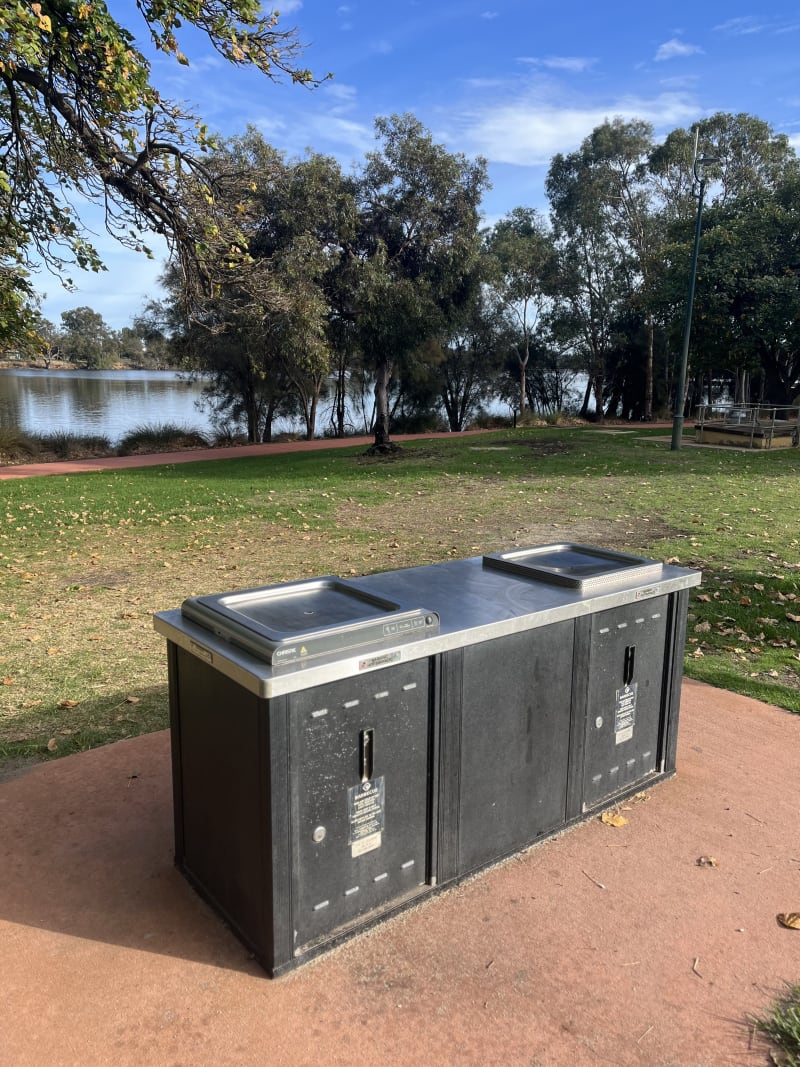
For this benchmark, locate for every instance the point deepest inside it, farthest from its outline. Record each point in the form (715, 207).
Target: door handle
(629, 665)
(366, 753)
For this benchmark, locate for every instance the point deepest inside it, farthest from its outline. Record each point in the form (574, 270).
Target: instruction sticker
(625, 713)
(366, 804)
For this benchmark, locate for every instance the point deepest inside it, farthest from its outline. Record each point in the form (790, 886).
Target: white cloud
(680, 82)
(529, 132)
(489, 14)
(287, 7)
(794, 141)
(573, 64)
(326, 131)
(272, 128)
(744, 25)
(343, 134)
(342, 97)
(674, 49)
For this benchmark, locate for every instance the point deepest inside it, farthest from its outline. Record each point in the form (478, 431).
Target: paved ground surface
(603, 946)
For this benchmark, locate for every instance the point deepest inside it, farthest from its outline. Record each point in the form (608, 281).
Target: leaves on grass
(613, 818)
(68, 703)
(8, 681)
(792, 618)
(52, 745)
(789, 919)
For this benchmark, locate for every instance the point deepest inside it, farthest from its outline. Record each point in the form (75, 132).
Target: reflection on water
(106, 403)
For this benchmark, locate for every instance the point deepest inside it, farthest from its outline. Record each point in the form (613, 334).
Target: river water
(106, 403)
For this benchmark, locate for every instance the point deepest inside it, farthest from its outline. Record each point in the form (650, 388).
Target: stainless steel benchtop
(474, 603)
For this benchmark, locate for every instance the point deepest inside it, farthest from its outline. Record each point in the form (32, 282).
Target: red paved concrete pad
(607, 946)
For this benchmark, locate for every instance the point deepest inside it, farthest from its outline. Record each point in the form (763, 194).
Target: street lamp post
(680, 395)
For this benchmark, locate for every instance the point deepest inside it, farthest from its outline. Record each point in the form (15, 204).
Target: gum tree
(520, 259)
(417, 248)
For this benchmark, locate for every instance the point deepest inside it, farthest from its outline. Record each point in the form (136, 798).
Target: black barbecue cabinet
(341, 748)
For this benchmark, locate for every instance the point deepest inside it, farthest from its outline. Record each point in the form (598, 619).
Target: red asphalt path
(194, 455)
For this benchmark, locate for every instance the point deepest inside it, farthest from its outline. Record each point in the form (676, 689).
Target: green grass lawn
(86, 560)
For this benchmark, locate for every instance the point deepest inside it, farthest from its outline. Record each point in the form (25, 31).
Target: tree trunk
(599, 399)
(584, 412)
(648, 379)
(339, 397)
(523, 370)
(383, 376)
(252, 421)
(312, 416)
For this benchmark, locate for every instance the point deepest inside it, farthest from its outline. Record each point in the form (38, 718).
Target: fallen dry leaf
(52, 745)
(789, 919)
(132, 700)
(792, 618)
(707, 861)
(612, 818)
(68, 703)
(8, 681)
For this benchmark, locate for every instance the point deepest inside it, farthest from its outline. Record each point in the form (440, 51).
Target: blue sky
(512, 80)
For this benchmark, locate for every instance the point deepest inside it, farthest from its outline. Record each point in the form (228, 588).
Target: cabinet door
(515, 728)
(627, 662)
(360, 773)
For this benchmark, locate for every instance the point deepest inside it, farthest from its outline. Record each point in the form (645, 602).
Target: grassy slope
(86, 560)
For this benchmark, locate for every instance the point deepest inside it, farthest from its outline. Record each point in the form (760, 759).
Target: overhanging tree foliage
(79, 115)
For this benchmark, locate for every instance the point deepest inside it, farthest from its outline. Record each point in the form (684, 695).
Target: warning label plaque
(625, 713)
(366, 804)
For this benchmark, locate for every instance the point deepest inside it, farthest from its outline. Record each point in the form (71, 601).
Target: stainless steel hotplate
(289, 625)
(581, 567)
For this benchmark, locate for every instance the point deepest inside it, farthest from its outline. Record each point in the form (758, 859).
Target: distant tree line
(290, 280)
(381, 282)
(85, 340)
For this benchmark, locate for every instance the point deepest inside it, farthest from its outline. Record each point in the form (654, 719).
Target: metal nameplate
(381, 660)
(366, 808)
(201, 652)
(625, 713)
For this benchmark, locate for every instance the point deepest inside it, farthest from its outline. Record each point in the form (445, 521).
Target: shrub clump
(15, 445)
(167, 437)
(74, 445)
